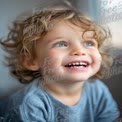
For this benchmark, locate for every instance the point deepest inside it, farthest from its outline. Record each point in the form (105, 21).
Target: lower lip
(80, 68)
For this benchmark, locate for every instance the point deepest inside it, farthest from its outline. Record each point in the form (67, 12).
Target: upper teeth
(77, 63)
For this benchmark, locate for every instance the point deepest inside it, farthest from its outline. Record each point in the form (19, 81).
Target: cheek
(51, 63)
(51, 58)
(52, 54)
(98, 58)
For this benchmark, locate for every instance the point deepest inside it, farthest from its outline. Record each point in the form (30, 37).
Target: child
(60, 51)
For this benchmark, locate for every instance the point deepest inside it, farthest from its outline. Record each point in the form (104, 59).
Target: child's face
(64, 56)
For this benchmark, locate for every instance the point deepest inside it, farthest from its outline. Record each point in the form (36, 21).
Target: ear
(30, 64)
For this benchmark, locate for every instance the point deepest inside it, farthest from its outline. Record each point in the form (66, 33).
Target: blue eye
(90, 44)
(61, 44)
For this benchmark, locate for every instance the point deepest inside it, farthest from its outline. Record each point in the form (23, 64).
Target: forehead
(66, 24)
(66, 28)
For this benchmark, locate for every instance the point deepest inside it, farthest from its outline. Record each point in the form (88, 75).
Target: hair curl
(23, 35)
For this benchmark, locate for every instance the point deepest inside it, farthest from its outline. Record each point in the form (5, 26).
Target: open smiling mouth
(77, 65)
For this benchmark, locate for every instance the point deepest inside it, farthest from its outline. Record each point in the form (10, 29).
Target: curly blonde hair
(23, 35)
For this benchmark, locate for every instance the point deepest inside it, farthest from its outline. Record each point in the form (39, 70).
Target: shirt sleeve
(107, 109)
(26, 112)
(30, 104)
(34, 110)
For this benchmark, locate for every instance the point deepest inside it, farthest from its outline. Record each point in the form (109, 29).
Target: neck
(67, 93)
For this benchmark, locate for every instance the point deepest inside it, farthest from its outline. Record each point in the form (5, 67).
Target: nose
(78, 51)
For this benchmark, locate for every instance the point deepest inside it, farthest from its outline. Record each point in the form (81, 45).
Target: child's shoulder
(29, 94)
(101, 99)
(97, 84)
(30, 98)
(97, 89)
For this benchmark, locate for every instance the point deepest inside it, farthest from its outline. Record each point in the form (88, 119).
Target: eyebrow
(50, 40)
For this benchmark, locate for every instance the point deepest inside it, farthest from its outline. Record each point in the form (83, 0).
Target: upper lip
(78, 62)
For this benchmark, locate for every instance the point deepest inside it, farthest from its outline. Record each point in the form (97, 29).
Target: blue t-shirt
(34, 104)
